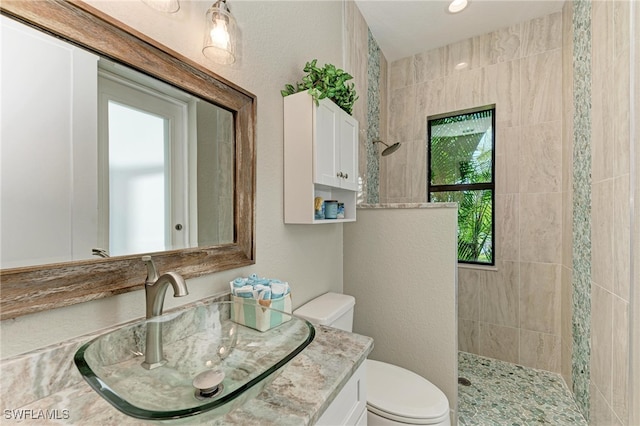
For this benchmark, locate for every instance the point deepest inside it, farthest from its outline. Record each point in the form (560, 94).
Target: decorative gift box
(260, 303)
(255, 313)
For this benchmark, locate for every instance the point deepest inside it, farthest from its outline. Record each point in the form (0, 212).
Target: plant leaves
(325, 82)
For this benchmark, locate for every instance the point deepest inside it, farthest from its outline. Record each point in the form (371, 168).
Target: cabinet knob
(346, 175)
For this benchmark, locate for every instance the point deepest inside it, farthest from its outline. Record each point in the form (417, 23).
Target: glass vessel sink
(201, 341)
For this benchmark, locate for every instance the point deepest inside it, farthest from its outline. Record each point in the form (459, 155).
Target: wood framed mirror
(36, 288)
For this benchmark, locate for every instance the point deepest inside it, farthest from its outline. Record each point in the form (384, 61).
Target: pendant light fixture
(167, 6)
(221, 34)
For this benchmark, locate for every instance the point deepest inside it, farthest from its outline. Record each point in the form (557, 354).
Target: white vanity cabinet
(349, 408)
(320, 158)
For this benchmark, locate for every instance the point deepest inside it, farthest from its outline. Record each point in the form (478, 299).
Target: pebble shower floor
(502, 393)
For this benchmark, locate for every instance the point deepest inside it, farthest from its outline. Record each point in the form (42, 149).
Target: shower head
(390, 149)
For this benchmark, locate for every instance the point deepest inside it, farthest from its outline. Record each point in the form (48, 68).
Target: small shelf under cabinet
(342, 196)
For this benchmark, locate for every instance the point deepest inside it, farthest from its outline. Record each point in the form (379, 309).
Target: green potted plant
(326, 82)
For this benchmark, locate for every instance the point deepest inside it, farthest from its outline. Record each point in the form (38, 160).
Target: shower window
(461, 169)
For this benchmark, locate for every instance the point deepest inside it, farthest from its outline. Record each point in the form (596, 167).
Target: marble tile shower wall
(373, 128)
(610, 197)
(581, 204)
(566, 323)
(367, 64)
(512, 313)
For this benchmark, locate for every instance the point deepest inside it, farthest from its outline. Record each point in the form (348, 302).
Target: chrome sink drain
(208, 384)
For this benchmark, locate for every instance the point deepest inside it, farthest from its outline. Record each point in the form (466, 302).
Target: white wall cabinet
(335, 143)
(320, 158)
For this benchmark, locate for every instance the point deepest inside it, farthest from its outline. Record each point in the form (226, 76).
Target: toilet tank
(331, 309)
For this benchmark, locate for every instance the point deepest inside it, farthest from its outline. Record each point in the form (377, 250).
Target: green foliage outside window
(461, 155)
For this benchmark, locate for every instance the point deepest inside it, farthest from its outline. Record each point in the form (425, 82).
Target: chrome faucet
(155, 288)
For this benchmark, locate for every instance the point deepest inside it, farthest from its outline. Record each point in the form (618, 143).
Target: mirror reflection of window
(143, 174)
(137, 187)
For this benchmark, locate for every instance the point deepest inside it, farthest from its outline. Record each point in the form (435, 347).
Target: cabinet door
(348, 168)
(350, 405)
(326, 127)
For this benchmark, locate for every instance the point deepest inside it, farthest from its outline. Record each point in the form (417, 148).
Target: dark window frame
(473, 186)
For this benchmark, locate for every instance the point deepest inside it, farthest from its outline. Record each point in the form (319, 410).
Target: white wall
(400, 264)
(277, 38)
(38, 154)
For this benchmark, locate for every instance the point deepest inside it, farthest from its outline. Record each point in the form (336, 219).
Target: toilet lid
(399, 394)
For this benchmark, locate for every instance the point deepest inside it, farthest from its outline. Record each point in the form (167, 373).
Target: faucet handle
(152, 273)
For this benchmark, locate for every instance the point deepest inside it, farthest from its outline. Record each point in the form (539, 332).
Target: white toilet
(395, 396)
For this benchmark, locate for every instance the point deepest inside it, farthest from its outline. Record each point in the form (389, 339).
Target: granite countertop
(365, 206)
(298, 395)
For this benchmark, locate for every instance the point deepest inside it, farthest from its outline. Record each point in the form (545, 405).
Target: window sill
(478, 267)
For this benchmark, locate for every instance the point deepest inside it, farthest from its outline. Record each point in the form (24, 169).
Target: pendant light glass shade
(457, 6)
(167, 6)
(220, 34)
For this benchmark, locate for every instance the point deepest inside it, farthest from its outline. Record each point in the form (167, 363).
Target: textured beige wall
(277, 38)
(511, 313)
(400, 265)
(610, 218)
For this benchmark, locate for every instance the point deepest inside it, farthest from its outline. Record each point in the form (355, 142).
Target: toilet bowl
(395, 396)
(398, 396)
